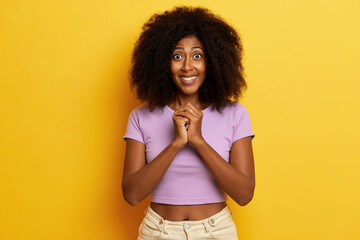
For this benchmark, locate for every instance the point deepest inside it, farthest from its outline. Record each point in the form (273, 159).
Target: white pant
(218, 226)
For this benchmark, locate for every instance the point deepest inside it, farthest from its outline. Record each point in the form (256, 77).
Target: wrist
(177, 145)
(198, 141)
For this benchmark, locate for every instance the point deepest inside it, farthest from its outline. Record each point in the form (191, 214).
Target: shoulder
(233, 108)
(236, 112)
(144, 111)
(140, 110)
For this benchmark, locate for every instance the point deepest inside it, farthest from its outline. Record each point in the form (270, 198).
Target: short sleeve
(133, 129)
(242, 124)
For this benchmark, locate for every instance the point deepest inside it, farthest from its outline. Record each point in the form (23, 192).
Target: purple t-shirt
(187, 180)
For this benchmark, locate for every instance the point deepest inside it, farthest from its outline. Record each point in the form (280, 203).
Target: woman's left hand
(194, 115)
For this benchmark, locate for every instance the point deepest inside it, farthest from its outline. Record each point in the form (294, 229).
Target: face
(188, 66)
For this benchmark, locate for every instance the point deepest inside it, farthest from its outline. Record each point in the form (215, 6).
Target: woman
(190, 145)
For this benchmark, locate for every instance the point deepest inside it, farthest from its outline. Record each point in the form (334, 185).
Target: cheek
(202, 67)
(173, 73)
(174, 68)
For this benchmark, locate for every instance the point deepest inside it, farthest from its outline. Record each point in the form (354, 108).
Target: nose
(187, 64)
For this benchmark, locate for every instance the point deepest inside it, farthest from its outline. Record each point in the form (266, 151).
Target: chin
(189, 91)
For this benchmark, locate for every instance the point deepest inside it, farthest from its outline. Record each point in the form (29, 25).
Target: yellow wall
(65, 99)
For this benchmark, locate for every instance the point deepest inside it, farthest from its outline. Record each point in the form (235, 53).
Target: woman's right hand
(181, 124)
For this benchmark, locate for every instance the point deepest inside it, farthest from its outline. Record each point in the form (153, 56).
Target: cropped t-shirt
(188, 181)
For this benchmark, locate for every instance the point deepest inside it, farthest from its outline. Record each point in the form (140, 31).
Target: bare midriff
(187, 212)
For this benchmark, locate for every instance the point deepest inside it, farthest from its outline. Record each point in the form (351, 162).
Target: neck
(182, 99)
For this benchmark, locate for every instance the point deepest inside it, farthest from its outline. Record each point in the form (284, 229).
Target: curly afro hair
(150, 72)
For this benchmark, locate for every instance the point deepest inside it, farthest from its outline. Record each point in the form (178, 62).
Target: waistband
(212, 220)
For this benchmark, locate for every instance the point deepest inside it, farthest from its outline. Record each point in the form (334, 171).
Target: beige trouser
(218, 226)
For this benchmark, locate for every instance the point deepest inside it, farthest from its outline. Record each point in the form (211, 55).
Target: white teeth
(189, 78)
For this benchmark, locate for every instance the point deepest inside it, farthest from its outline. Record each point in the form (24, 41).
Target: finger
(194, 110)
(184, 109)
(181, 120)
(181, 109)
(190, 113)
(189, 108)
(180, 117)
(187, 124)
(187, 115)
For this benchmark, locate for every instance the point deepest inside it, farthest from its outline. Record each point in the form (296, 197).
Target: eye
(197, 55)
(177, 56)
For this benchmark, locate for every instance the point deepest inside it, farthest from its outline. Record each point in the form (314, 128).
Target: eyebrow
(191, 48)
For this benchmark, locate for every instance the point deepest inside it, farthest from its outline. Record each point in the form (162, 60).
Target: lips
(188, 79)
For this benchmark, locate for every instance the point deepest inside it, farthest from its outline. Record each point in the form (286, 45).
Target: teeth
(189, 78)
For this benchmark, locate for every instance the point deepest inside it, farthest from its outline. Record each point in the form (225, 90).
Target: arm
(139, 178)
(236, 178)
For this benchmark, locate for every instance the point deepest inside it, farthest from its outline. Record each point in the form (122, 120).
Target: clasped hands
(187, 123)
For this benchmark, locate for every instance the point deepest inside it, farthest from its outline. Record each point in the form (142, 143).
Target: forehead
(189, 41)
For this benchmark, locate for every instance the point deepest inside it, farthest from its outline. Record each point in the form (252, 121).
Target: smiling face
(188, 66)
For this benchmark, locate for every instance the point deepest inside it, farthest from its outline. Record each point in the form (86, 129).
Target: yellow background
(65, 99)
